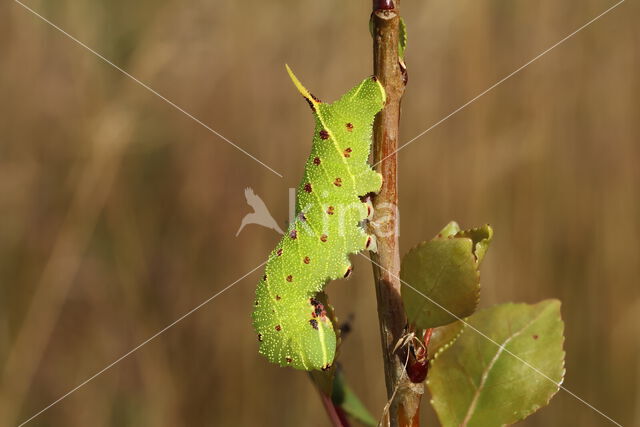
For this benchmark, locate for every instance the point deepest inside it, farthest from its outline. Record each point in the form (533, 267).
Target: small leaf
(346, 399)
(477, 382)
(441, 283)
(402, 42)
(481, 237)
(449, 230)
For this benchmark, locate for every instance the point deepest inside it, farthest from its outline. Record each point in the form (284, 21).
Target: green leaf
(449, 230)
(441, 282)
(443, 337)
(481, 237)
(477, 382)
(345, 398)
(402, 43)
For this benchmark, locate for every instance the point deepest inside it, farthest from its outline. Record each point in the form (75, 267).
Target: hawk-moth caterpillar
(291, 323)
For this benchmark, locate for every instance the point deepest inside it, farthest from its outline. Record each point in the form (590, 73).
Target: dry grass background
(119, 213)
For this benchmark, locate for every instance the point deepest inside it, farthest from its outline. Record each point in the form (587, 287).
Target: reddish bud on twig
(383, 5)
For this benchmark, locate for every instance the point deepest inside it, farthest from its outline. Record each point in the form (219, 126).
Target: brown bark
(404, 410)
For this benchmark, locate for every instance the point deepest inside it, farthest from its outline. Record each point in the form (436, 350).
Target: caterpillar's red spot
(347, 152)
(326, 367)
(315, 98)
(316, 161)
(278, 297)
(348, 272)
(279, 252)
(374, 78)
(313, 323)
(330, 210)
(260, 337)
(293, 234)
(278, 328)
(338, 182)
(289, 278)
(349, 127)
(289, 360)
(324, 134)
(535, 337)
(318, 308)
(323, 238)
(306, 260)
(307, 187)
(368, 242)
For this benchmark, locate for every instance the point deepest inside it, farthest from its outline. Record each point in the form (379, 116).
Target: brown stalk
(385, 19)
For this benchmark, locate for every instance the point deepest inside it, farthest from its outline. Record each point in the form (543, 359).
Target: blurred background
(119, 213)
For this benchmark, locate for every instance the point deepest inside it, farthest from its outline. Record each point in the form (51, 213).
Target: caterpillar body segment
(292, 325)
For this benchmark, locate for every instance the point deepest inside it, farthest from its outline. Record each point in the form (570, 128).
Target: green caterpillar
(291, 323)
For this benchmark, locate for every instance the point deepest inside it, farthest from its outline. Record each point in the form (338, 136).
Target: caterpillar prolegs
(292, 325)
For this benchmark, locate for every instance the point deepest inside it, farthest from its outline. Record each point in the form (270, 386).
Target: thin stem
(386, 66)
(336, 414)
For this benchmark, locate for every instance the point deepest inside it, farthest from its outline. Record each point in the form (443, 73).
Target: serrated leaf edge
(440, 236)
(558, 385)
(449, 343)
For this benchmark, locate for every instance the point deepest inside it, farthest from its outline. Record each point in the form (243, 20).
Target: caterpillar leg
(372, 243)
(369, 204)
